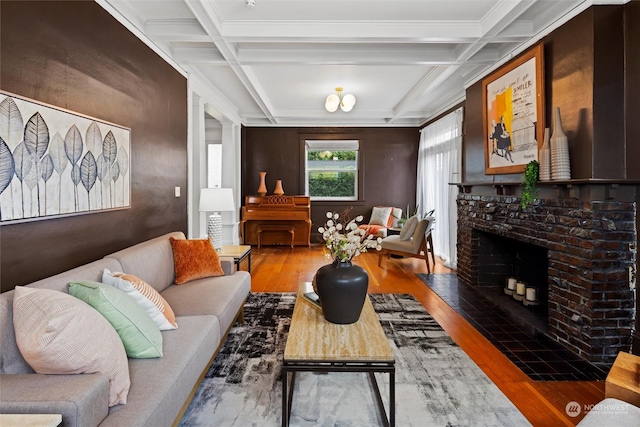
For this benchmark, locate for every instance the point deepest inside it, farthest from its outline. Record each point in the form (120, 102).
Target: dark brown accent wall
(585, 78)
(74, 55)
(632, 124)
(632, 87)
(389, 173)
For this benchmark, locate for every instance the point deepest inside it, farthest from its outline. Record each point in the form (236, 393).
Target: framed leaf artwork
(54, 162)
(513, 113)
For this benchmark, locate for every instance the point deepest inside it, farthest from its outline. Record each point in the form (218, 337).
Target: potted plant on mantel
(529, 183)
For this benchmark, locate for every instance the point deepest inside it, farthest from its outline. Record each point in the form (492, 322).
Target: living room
(591, 73)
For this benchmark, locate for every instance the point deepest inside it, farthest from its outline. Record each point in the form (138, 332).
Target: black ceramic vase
(342, 288)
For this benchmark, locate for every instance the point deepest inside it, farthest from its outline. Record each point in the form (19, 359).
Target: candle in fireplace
(532, 294)
(520, 288)
(511, 284)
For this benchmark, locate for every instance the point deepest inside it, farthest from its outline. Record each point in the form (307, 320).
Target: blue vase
(342, 288)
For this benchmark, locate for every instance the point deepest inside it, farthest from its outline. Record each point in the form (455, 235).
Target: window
(331, 169)
(214, 165)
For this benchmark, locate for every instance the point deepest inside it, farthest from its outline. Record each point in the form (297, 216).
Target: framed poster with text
(513, 113)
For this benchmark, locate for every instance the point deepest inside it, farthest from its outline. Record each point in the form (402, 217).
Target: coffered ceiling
(405, 61)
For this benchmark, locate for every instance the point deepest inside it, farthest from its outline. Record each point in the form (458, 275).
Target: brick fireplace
(590, 245)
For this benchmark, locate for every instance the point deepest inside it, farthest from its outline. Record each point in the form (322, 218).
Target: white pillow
(59, 334)
(380, 216)
(142, 293)
(408, 228)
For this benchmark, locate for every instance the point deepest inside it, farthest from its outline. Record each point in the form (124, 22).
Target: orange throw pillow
(194, 259)
(371, 229)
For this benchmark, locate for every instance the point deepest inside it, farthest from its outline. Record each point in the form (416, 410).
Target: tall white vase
(560, 165)
(545, 158)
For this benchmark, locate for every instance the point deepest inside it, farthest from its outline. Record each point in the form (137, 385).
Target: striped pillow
(148, 298)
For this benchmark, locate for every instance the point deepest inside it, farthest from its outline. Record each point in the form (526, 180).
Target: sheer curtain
(439, 163)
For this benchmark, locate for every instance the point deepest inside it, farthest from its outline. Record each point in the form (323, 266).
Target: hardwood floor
(280, 269)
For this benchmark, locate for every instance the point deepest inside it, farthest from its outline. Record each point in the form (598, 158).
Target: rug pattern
(437, 384)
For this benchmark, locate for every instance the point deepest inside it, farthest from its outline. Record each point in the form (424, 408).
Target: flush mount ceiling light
(251, 4)
(345, 102)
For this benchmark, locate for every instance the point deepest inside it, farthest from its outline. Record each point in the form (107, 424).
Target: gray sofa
(161, 388)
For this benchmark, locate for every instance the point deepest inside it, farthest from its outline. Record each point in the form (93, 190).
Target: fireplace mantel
(581, 189)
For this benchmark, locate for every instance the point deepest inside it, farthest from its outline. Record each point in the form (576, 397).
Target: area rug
(437, 384)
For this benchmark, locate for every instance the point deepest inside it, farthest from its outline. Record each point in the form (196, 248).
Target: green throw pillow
(141, 337)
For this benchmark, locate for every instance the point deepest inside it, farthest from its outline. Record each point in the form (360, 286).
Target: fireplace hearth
(578, 251)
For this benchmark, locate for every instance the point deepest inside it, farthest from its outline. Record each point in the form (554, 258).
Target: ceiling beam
(421, 30)
(209, 20)
(188, 30)
(501, 17)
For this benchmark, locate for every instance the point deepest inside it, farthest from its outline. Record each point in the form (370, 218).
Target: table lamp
(216, 200)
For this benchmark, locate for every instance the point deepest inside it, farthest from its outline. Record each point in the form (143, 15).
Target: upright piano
(276, 210)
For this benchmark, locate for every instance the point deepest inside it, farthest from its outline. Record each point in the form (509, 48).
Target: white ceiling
(405, 61)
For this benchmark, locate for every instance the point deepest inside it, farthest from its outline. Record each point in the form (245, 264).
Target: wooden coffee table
(313, 344)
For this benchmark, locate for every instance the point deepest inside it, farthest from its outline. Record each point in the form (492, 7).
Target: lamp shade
(348, 101)
(216, 200)
(332, 103)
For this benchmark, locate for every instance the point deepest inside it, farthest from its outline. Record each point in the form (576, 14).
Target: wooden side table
(623, 381)
(30, 420)
(239, 253)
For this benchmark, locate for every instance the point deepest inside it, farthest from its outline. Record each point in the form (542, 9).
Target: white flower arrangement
(343, 247)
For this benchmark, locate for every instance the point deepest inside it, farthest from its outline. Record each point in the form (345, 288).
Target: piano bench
(276, 227)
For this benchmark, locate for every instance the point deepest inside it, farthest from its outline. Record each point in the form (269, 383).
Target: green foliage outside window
(330, 155)
(331, 184)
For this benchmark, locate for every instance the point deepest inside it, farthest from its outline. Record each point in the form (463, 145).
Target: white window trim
(332, 145)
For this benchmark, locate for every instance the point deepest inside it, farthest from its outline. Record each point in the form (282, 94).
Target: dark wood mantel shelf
(603, 189)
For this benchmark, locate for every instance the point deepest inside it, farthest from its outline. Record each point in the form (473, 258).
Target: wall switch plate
(177, 191)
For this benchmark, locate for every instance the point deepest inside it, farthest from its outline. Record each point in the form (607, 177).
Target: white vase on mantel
(545, 157)
(560, 165)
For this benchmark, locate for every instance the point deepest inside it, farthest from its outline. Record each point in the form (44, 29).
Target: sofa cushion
(139, 334)
(159, 387)
(59, 334)
(376, 230)
(194, 259)
(408, 228)
(152, 261)
(145, 296)
(612, 412)
(380, 216)
(396, 215)
(394, 243)
(82, 400)
(11, 360)
(220, 296)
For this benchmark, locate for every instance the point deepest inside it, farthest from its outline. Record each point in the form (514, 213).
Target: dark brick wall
(591, 308)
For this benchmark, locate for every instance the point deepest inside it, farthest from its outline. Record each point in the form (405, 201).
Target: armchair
(417, 246)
